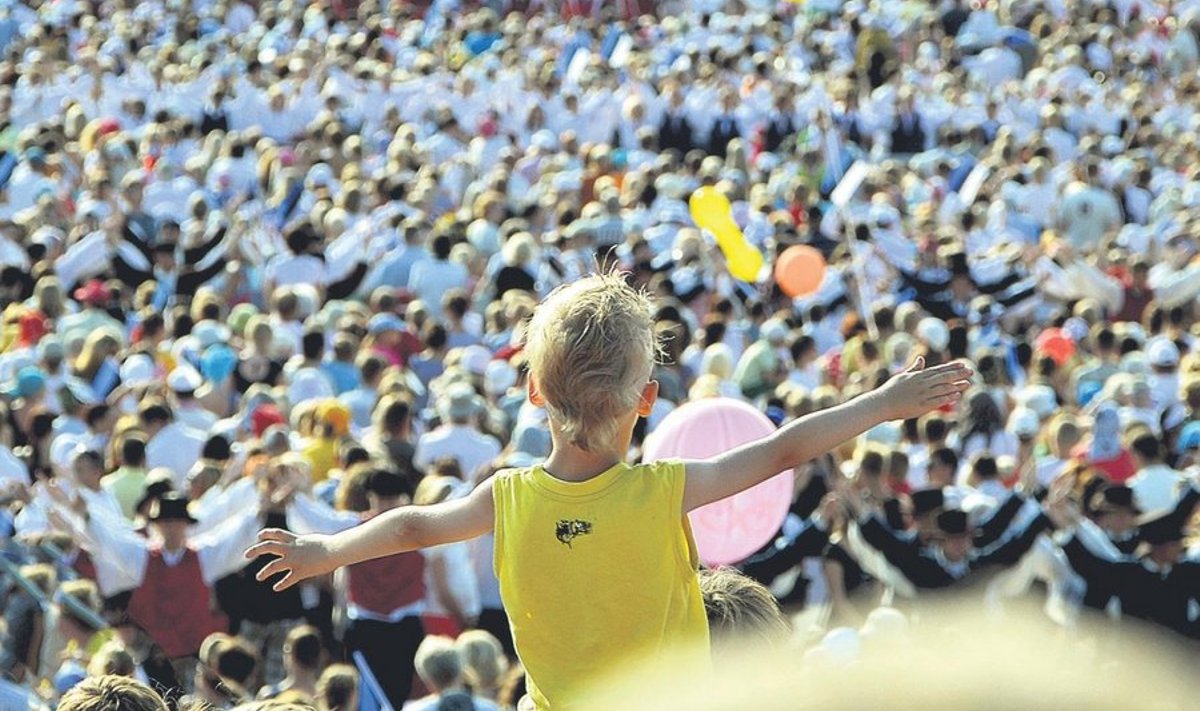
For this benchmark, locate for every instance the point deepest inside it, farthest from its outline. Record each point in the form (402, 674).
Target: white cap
(499, 377)
(1024, 422)
(308, 384)
(934, 332)
(1162, 352)
(209, 332)
(774, 331)
(1039, 398)
(137, 369)
(475, 359)
(184, 379)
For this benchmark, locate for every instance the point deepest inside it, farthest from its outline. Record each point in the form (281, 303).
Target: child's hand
(917, 391)
(300, 557)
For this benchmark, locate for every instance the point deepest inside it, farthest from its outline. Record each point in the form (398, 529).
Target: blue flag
(370, 693)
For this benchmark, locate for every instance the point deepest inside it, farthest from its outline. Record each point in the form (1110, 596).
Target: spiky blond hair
(590, 347)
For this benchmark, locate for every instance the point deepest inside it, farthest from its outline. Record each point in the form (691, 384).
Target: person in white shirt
(441, 667)
(172, 573)
(170, 444)
(1088, 212)
(432, 278)
(1156, 486)
(458, 438)
(183, 382)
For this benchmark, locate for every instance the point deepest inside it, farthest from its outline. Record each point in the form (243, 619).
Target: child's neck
(570, 463)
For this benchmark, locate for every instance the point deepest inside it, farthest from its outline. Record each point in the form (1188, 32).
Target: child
(594, 556)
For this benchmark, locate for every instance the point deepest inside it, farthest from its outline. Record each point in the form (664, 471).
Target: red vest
(173, 605)
(387, 584)
(84, 565)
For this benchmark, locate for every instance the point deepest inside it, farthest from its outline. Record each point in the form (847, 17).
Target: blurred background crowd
(269, 264)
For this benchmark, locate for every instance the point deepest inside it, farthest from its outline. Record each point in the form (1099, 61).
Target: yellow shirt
(321, 454)
(596, 575)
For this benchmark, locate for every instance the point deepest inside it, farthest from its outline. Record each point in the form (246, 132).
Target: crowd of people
(272, 265)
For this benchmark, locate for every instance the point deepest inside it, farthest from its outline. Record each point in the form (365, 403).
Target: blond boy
(596, 563)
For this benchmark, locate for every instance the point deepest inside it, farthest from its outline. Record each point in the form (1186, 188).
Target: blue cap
(35, 155)
(29, 382)
(1086, 390)
(69, 674)
(1189, 437)
(218, 362)
(381, 323)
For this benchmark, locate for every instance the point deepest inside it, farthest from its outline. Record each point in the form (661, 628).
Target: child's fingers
(949, 372)
(265, 548)
(288, 581)
(276, 534)
(944, 399)
(274, 567)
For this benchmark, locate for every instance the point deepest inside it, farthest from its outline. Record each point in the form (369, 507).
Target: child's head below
(591, 351)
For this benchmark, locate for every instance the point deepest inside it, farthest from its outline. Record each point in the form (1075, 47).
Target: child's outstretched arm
(397, 531)
(909, 394)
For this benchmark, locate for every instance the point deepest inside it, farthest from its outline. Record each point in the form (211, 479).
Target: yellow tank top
(596, 575)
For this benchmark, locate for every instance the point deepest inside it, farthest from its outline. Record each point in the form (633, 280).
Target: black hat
(893, 514)
(156, 488)
(958, 264)
(1162, 528)
(1115, 497)
(927, 501)
(952, 523)
(171, 507)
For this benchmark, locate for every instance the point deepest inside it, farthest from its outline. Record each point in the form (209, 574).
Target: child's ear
(535, 396)
(649, 397)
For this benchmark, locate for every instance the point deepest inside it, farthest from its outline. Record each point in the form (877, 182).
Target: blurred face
(1167, 552)
(87, 474)
(956, 548)
(1118, 521)
(940, 474)
(172, 533)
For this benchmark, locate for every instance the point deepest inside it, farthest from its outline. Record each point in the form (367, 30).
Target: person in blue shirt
(340, 369)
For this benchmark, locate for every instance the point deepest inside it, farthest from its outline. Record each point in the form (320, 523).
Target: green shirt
(128, 485)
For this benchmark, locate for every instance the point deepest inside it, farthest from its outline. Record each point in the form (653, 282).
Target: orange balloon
(800, 270)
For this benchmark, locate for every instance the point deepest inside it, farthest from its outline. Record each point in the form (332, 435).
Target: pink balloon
(729, 530)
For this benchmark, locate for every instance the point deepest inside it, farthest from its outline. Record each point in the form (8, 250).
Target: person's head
(926, 503)
(111, 659)
(1116, 509)
(943, 466)
(170, 519)
(954, 535)
(154, 415)
(1065, 434)
(1147, 450)
(337, 689)
(983, 414)
(439, 664)
(111, 693)
(395, 416)
(741, 611)
(313, 345)
(88, 467)
(484, 663)
(590, 349)
(387, 490)
(934, 429)
(984, 469)
(871, 462)
(302, 650)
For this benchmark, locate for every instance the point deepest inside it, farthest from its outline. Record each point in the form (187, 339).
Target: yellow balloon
(711, 211)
